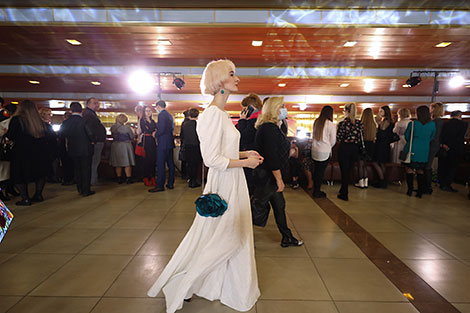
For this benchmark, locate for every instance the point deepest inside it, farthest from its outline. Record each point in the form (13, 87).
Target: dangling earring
(222, 91)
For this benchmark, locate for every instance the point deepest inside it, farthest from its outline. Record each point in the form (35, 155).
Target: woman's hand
(244, 114)
(280, 185)
(253, 153)
(252, 162)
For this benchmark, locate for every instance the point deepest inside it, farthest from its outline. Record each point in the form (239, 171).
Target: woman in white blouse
(399, 129)
(324, 138)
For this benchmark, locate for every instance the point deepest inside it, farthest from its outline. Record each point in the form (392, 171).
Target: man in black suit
(191, 146)
(452, 140)
(79, 137)
(165, 145)
(99, 135)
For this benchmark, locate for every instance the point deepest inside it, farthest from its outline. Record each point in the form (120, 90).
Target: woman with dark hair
(383, 140)
(437, 111)
(367, 142)
(324, 138)
(349, 138)
(419, 135)
(31, 151)
(148, 128)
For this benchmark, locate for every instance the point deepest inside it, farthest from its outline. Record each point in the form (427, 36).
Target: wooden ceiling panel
(391, 47)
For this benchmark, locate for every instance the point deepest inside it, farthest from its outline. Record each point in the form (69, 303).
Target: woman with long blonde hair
(31, 152)
(367, 144)
(216, 259)
(349, 138)
(324, 138)
(273, 146)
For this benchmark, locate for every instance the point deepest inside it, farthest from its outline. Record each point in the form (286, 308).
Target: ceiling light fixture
(282, 85)
(456, 81)
(257, 43)
(344, 85)
(34, 82)
(141, 82)
(350, 43)
(406, 86)
(164, 42)
(443, 44)
(96, 83)
(73, 42)
(178, 82)
(413, 81)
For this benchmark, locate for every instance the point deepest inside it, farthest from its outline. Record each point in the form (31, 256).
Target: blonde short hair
(404, 113)
(437, 109)
(215, 73)
(269, 112)
(121, 119)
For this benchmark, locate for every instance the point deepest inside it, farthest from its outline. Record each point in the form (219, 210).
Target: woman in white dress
(216, 258)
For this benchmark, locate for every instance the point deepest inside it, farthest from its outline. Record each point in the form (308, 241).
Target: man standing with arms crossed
(99, 133)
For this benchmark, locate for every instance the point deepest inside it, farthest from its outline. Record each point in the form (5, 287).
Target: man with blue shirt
(165, 146)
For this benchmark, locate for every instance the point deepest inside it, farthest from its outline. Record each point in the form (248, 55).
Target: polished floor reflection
(101, 253)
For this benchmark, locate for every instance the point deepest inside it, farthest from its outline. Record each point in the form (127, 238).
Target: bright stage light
(141, 82)
(456, 81)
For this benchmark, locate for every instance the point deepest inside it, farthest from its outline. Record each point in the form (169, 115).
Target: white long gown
(216, 258)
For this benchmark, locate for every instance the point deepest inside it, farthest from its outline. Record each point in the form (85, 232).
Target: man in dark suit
(99, 135)
(452, 140)
(165, 145)
(191, 147)
(79, 136)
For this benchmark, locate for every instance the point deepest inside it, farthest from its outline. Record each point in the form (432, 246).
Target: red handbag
(139, 149)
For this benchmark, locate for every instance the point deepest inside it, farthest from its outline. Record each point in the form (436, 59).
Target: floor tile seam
(17, 302)
(423, 237)
(112, 283)
(103, 232)
(391, 254)
(12, 256)
(159, 223)
(315, 265)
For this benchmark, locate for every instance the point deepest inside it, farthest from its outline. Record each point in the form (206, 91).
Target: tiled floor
(102, 253)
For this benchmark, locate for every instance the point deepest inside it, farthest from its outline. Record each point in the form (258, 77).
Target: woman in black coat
(33, 144)
(148, 128)
(383, 140)
(272, 145)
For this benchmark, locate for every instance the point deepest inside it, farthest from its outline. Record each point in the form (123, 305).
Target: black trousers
(294, 166)
(348, 153)
(67, 169)
(193, 161)
(447, 167)
(82, 167)
(318, 174)
(264, 196)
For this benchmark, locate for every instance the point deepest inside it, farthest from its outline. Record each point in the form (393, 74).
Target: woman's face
(381, 112)
(279, 109)
(46, 116)
(231, 83)
(148, 113)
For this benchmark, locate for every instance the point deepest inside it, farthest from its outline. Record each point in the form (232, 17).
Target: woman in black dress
(148, 128)
(383, 140)
(272, 144)
(367, 144)
(33, 143)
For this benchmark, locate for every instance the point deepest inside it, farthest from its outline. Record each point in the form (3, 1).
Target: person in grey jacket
(122, 152)
(99, 134)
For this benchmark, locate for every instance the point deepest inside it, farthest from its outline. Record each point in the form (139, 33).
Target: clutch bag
(211, 205)
(5, 220)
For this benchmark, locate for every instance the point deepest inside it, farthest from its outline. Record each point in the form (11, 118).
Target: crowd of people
(366, 141)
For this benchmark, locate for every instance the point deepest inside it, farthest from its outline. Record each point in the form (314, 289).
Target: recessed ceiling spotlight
(16, 102)
(96, 83)
(282, 84)
(468, 86)
(73, 42)
(34, 82)
(344, 85)
(164, 42)
(257, 43)
(350, 44)
(443, 44)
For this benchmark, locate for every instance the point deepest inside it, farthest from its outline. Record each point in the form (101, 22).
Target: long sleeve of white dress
(216, 259)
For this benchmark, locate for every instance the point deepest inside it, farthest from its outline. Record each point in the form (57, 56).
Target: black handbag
(394, 138)
(6, 149)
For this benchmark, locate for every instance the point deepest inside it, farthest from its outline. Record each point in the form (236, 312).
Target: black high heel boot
(420, 192)
(409, 182)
